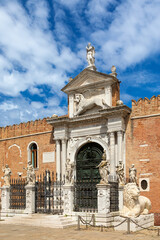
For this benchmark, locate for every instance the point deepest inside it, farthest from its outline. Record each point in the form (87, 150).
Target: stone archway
(87, 176)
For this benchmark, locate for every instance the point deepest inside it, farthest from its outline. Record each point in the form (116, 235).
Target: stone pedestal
(68, 191)
(120, 192)
(103, 198)
(30, 199)
(5, 198)
(145, 221)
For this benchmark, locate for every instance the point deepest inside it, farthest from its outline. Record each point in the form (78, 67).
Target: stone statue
(7, 175)
(103, 169)
(90, 55)
(120, 173)
(132, 174)
(31, 177)
(134, 204)
(69, 172)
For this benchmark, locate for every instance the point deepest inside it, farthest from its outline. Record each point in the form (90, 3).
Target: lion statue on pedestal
(134, 204)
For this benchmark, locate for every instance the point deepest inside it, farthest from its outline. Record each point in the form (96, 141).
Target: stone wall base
(145, 221)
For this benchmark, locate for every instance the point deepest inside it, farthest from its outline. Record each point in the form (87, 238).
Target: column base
(5, 197)
(68, 198)
(30, 199)
(103, 198)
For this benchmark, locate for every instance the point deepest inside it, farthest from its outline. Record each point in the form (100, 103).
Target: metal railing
(85, 195)
(49, 193)
(17, 194)
(92, 223)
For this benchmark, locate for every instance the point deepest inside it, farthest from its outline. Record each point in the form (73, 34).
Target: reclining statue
(134, 204)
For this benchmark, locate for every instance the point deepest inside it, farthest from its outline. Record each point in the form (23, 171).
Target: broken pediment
(88, 79)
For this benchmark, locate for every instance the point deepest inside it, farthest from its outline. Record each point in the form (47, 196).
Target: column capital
(64, 140)
(111, 134)
(120, 132)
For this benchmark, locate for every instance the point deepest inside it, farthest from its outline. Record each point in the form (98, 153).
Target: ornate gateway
(88, 157)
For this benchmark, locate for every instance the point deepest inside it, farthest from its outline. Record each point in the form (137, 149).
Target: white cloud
(30, 54)
(22, 110)
(8, 105)
(69, 3)
(133, 34)
(98, 12)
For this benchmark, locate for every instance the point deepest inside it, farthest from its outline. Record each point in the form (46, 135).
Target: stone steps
(52, 221)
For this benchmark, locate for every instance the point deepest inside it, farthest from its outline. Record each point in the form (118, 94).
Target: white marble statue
(84, 104)
(69, 172)
(7, 175)
(90, 55)
(133, 204)
(132, 174)
(103, 169)
(120, 173)
(31, 177)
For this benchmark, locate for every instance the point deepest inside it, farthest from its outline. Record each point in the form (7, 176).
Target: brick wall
(115, 94)
(143, 145)
(14, 143)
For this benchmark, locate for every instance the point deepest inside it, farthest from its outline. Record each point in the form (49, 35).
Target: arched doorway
(87, 176)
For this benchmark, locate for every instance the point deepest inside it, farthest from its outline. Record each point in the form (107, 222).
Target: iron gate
(114, 197)
(49, 194)
(87, 177)
(17, 194)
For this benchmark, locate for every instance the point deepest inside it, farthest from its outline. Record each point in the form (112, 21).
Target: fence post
(30, 198)
(5, 198)
(103, 198)
(68, 198)
(94, 220)
(128, 226)
(78, 226)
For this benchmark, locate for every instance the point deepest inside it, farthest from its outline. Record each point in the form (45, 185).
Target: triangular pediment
(88, 78)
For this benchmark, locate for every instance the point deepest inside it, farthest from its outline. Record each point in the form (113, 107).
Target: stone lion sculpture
(134, 204)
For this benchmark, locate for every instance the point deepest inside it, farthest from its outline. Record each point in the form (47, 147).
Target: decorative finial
(70, 79)
(113, 70)
(90, 57)
(54, 116)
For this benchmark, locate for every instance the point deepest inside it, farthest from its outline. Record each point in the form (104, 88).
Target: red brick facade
(15, 141)
(143, 145)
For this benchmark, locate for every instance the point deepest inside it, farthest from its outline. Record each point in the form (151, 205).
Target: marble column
(5, 197)
(103, 198)
(58, 158)
(68, 192)
(30, 199)
(112, 175)
(119, 138)
(64, 155)
(120, 192)
(71, 106)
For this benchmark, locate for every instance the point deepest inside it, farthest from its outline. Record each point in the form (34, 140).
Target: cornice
(122, 111)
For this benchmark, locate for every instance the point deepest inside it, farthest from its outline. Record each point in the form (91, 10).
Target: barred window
(33, 152)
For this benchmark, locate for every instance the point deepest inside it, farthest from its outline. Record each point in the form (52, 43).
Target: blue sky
(43, 42)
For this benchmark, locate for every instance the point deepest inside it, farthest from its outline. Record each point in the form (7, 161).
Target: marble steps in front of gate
(43, 220)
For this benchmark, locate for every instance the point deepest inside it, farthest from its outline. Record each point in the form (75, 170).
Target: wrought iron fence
(17, 194)
(114, 198)
(85, 195)
(49, 193)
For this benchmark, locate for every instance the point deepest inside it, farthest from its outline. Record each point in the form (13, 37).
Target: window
(33, 155)
(144, 184)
